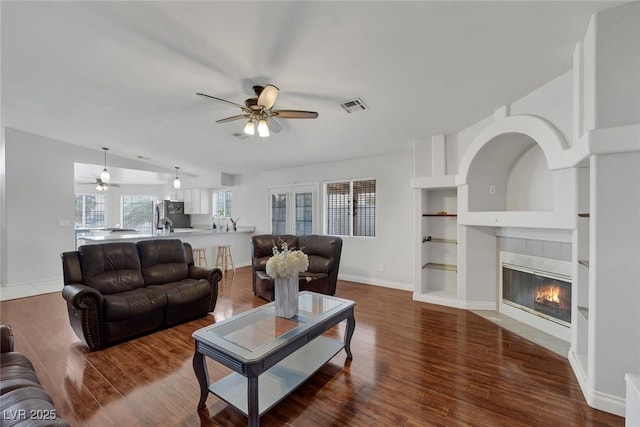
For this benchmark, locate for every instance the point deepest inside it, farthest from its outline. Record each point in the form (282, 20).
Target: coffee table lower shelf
(281, 379)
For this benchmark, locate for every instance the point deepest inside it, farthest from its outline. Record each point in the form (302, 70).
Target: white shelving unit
(438, 247)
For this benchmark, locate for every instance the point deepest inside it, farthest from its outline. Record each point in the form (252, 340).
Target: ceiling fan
(101, 185)
(259, 112)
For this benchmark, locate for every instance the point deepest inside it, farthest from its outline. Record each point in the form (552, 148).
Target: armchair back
(324, 261)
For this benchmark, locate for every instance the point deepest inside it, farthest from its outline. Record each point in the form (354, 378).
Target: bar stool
(224, 258)
(200, 257)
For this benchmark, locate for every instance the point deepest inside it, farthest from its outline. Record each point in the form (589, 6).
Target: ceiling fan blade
(232, 118)
(268, 96)
(295, 114)
(273, 125)
(222, 100)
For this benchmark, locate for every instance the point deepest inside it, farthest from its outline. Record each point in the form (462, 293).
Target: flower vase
(286, 295)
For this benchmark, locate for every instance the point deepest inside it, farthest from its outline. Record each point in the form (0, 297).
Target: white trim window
(350, 208)
(137, 212)
(91, 210)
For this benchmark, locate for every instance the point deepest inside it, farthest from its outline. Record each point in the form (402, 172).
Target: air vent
(241, 135)
(353, 105)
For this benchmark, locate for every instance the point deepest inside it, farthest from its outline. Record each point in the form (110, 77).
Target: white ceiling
(124, 74)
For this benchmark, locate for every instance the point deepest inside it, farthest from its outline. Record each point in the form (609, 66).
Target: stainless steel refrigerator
(175, 212)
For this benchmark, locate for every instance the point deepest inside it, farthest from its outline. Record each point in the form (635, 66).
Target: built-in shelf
(436, 266)
(438, 240)
(584, 262)
(584, 311)
(440, 214)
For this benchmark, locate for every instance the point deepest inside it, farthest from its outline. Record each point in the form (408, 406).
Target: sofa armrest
(6, 339)
(80, 296)
(213, 276)
(85, 313)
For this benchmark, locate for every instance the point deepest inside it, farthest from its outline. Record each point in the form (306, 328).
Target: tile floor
(557, 345)
(29, 289)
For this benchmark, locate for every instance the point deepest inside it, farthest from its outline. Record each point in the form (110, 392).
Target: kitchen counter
(198, 238)
(178, 233)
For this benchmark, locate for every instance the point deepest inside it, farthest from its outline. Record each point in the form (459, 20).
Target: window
(222, 203)
(304, 214)
(278, 213)
(351, 208)
(90, 210)
(137, 213)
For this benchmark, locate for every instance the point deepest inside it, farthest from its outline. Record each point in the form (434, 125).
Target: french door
(293, 209)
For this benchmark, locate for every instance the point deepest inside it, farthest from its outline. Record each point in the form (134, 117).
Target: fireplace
(542, 293)
(537, 291)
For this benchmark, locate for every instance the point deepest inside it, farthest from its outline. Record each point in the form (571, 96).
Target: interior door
(293, 209)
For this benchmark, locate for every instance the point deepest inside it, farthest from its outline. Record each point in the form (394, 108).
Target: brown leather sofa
(23, 400)
(116, 291)
(324, 260)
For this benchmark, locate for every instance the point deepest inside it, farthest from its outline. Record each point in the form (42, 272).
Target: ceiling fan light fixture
(249, 128)
(176, 182)
(101, 186)
(263, 129)
(105, 176)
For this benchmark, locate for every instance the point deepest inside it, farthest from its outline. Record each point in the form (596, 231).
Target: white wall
(39, 207)
(618, 66)
(38, 196)
(393, 245)
(530, 183)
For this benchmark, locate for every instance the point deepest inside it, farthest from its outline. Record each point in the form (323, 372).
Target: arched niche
(509, 166)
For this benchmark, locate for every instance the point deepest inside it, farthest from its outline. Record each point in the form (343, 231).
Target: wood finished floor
(414, 364)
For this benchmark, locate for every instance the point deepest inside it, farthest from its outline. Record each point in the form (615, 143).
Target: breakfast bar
(198, 238)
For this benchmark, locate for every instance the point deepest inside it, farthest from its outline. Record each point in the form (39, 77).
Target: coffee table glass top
(257, 331)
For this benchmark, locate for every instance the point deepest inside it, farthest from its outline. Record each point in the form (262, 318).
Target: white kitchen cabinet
(197, 201)
(176, 195)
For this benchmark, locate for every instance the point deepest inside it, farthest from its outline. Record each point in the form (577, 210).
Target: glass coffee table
(271, 355)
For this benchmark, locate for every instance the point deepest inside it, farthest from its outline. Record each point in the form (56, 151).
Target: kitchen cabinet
(197, 201)
(176, 195)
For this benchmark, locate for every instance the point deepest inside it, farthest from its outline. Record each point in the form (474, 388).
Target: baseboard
(376, 282)
(598, 400)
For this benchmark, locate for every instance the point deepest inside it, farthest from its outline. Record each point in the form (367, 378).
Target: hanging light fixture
(105, 176)
(263, 129)
(176, 182)
(101, 186)
(249, 129)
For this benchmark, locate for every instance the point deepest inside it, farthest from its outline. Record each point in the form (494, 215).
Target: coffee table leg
(351, 326)
(200, 369)
(253, 410)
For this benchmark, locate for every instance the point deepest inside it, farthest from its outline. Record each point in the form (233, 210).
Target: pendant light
(105, 176)
(176, 182)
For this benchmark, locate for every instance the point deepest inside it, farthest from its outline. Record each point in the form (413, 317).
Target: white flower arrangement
(165, 221)
(286, 263)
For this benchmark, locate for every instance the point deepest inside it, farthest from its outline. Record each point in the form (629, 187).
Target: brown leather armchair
(324, 261)
(115, 291)
(23, 400)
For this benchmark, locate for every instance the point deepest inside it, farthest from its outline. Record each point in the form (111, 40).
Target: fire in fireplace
(538, 292)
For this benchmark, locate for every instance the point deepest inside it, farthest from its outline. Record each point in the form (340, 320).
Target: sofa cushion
(185, 291)
(163, 261)
(111, 268)
(262, 245)
(16, 371)
(131, 304)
